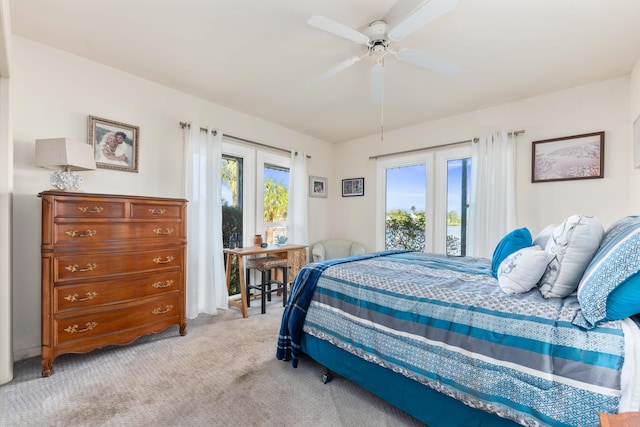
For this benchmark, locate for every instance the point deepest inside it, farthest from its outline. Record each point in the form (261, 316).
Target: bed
(447, 340)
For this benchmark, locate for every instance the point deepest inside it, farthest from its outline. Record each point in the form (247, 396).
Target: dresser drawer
(157, 211)
(82, 232)
(88, 295)
(89, 209)
(88, 265)
(116, 319)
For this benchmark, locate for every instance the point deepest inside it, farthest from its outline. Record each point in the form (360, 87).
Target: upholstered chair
(336, 248)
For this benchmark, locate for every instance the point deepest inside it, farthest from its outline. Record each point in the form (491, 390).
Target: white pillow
(521, 271)
(543, 237)
(572, 245)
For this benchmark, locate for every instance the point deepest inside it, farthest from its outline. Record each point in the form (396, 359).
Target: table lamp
(55, 153)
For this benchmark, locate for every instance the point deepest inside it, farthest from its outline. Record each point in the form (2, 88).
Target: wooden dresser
(113, 269)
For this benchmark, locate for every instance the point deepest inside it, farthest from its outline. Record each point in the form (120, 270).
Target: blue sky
(406, 187)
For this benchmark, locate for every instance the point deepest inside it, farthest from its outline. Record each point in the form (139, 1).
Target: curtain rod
(237, 138)
(515, 133)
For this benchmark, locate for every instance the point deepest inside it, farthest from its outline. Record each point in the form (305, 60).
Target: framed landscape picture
(568, 158)
(115, 144)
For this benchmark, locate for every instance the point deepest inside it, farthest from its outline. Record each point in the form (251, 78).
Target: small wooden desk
(296, 256)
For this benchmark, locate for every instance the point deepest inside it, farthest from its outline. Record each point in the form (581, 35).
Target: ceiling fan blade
(338, 29)
(335, 70)
(422, 16)
(400, 10)
(429, 62)
(377, 82)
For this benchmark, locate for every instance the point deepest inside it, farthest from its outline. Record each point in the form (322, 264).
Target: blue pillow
(512, 242)
(624, 301)
(610, 287)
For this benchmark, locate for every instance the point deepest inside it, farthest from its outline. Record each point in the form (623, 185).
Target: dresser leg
(47, 366)
(183, 329)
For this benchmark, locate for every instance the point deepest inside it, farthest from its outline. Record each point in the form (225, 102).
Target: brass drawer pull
(157, 211)
(78, 233)
(167, 260)
(160, 310)
(159, 285)
(74, 297)
(85, 209)
(75, 268)
(74, 329)
(166, 231)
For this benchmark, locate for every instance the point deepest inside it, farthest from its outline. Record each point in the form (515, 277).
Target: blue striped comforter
(444, 322)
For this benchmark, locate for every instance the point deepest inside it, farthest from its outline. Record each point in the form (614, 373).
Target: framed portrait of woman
(115, 144)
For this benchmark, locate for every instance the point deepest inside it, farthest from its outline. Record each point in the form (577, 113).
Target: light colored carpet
(222, 373)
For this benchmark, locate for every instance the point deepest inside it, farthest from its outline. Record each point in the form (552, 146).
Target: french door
(422, 202)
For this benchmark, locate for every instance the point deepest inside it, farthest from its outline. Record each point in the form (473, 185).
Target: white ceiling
(256, 56)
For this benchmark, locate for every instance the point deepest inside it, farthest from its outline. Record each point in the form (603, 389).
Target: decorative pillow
(512, 242)
(543, 237)
(610, 287)
(521, 271)
(572, 245)
(624, 300)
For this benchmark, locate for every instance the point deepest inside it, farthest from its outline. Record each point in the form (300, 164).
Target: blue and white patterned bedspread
(446, 323)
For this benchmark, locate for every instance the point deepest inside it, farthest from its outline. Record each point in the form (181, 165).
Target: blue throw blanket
(298, 304)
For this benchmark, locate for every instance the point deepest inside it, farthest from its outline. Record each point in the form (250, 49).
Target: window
(275, 202)
(458, 185)
(232, 191)
(272, 195)
(255, 194)
(238, 171)
(422, 202)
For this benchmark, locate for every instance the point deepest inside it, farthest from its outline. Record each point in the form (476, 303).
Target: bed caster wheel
(327, 377)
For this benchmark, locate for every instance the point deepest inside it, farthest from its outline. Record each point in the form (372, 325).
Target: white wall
(602, 106)
(53, 93)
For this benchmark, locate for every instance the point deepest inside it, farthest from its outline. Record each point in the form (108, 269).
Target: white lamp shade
(56, 153)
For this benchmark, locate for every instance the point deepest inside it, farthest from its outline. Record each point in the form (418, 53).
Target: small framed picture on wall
(318, 187)
(115, 144)
(352, 187)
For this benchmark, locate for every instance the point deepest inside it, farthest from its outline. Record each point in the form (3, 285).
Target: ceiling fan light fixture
(378, 47)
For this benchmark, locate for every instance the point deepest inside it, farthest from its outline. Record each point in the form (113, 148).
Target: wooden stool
(265, 265)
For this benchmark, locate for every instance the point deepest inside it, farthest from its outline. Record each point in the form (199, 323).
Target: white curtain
(492, 201)
(206, 280)
(297, 216)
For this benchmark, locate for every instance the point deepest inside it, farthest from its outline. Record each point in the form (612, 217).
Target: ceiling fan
(378, 38)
